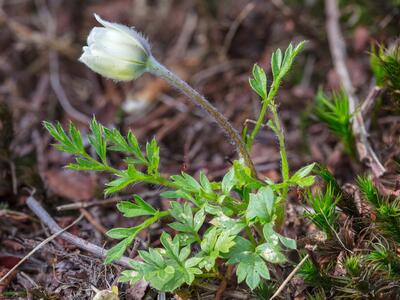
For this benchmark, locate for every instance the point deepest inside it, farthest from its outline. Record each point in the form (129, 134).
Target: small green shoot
(385, 64)
(334, 113)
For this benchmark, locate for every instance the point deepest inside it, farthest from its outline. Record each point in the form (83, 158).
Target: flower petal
(114, 44)
(131, 33)
(109, 66)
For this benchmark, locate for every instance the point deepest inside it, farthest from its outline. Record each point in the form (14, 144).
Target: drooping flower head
(116, 51)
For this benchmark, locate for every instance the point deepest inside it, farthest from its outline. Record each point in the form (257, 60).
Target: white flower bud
(116, 51)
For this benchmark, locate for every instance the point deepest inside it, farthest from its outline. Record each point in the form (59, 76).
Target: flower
(116, 51)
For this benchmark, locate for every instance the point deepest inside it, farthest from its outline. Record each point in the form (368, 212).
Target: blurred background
(212, 44)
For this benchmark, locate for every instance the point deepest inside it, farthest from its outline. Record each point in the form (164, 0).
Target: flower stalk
(157, 69)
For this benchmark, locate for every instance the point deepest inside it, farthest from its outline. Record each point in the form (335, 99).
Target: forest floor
(213, 45)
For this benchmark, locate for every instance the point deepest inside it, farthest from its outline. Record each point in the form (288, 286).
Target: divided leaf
(251, 267)
(97, 141)
(135, 209)
(280, 66)
(186, 222)
(261, 205)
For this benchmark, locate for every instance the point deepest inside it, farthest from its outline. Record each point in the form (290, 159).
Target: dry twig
(38, 210)
(287, 280)
(338, 52)
(88, 216)
(369, 101)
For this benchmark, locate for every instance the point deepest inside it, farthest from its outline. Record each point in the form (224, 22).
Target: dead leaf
(7, 263)
(72, 185)
(137, 290)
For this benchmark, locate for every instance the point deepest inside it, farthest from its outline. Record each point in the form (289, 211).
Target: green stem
(159, 70)
(163, 181)
(261, 117)
(284, 165)
(159, 215)
(281, 140)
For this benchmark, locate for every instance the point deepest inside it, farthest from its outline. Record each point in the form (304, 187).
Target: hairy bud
(116, 51)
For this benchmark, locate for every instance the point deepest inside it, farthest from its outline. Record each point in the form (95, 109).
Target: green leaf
(271, 253)
(261, 205)
(193, 261)
(233, 226)
(225, 242)
(251, 267)
(158, 270)
(288, 242)
(273, 237)
(303, 172)
(177, 194)
(228, 182)
(76, 138)
(184, 215)
(270, 235)
(83, 164)
(184, 253)
(306, 181)
(243, 176)
(97, 141)
(259, 81)
(117, 251)
(129, 145)
(134, 147)
(66, 144)
(171, 246)
(241, 248)
(186, 183)
(290, 54)
(287, 60)
(301, 177)
(121, 233)
(166, 269)
(209, 239)
(127, 177)
(153, 157)
(205, 183)
(139, 208)
(276, 62)
(198, 219)
(215, 243)
(118, 142)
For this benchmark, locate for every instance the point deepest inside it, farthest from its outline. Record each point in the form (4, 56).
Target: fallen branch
(97, 251)
(338, 52)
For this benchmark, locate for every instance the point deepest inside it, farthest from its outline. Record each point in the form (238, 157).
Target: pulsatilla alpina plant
(237, 220)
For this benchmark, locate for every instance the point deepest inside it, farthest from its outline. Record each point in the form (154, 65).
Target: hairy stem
(281, 140)
(278, 129)
(159, 70)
